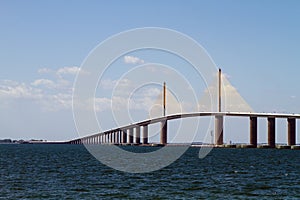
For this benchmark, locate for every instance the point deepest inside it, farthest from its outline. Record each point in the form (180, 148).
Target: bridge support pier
(163, 132)
(291, 131)
(253, 131)
(124, 137)
(145, 134)
(116, 137)
(137, 134)
(113, 136)
(130, 130)
(120, 136)
(271, 132)
(218, 130)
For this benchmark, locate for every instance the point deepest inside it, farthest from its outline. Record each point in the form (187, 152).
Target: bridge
(137, 133)
(131, 134)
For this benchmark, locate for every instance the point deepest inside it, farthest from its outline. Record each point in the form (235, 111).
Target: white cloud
(49, 95)
(61, 71)
(120, 86)
(12, 89)
(102, 104)
(44, 71)
(133, 60)
(44, 82)
(47, 101)
(68, 70)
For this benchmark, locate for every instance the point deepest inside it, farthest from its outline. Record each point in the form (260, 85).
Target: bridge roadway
(125, 134)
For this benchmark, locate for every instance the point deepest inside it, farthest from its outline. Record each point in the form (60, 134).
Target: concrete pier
(291, 131)
(124, 137)
(120, 136)
(163, 132)
(253, 131)
(271, 132)
(130, 133)
(112, 137)
(219, 130)
(117, 137)
(137, 135)
(145, 134)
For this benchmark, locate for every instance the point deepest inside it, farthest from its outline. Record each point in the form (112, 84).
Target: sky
(44, 43)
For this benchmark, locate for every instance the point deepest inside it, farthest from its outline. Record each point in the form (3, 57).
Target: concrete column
(110, 137)
(130, 135)
(118, 137)
(253, 131)
(145, 134)
(163, 132)
(219, 130)
(137, 135)
(124, 136)
(113, 137)
(271, 132)
(291, 131)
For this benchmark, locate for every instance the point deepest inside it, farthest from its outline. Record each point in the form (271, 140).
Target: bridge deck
(198, 114)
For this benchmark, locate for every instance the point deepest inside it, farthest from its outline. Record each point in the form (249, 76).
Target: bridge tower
(219, 119)
(164, 123)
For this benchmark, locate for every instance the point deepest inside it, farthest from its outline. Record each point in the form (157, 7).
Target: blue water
(70, 172)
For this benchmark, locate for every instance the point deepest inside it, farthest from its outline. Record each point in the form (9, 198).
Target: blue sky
(255, 42)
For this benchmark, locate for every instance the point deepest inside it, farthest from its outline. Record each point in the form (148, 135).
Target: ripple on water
(70, 172)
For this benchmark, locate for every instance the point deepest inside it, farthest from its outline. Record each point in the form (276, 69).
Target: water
(70, 172)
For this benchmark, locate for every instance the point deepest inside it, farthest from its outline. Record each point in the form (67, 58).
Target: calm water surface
(70, 172)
